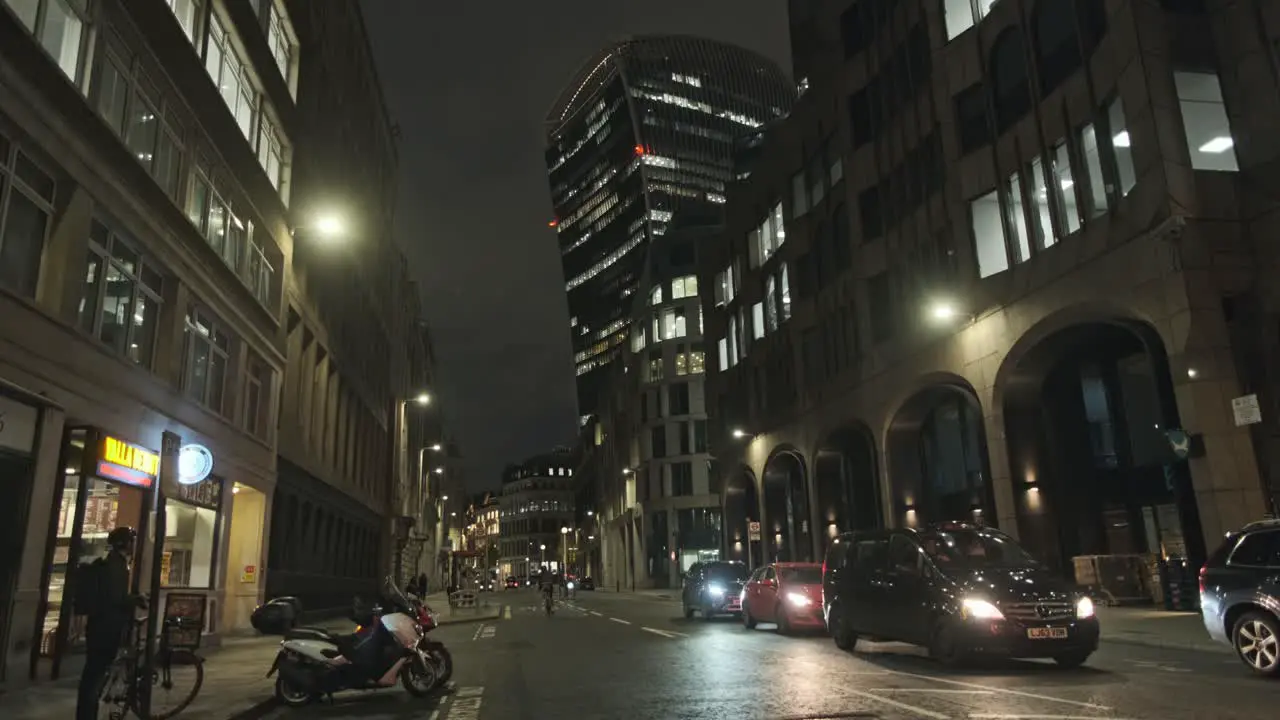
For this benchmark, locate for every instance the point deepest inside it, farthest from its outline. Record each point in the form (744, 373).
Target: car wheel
(1256, 637)
(707, 613)
(943, 647)
(784, 625)
(688, 611)
(748, 622)
(842, 630)
(1072, 659)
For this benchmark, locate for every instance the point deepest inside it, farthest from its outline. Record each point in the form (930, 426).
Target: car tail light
(1203, 570)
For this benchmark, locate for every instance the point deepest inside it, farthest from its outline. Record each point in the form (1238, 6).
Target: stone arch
(1087, 399)
(936, 455)
(846, 484)
(741, 507)
(785, 531)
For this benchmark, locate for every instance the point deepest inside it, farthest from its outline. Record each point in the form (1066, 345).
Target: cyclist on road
(109, 607)
(547, 585)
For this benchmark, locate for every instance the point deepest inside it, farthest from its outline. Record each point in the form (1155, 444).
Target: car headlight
(976, 609)
(715, 590)
(1084, 608)
(798, 599)
(570, 585)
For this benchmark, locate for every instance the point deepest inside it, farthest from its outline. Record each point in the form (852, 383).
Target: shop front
(110, 482)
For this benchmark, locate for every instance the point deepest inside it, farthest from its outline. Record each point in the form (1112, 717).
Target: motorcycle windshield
(393, 593)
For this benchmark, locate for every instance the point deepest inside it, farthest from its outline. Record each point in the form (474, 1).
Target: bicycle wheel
(175, 682)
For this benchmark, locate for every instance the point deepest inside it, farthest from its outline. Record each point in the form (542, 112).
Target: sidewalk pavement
(235, 684)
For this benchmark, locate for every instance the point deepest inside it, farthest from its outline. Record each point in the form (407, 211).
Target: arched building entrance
(785, 532)
(1086, 413)
(846, 484)
(741, 507)
(937, 454)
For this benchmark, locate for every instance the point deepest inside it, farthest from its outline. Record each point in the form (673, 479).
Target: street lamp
(564, 549)
(422, 399)
(543, 548)
(439, 471)
(942, 311)
(739, 433)
(330, 226)
(435, 448)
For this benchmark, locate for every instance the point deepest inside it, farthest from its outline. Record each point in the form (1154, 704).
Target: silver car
(1240, 595)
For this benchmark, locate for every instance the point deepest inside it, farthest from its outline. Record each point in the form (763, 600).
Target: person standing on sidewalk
(103, 596)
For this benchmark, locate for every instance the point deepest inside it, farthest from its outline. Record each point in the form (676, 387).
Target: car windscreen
(802, 576)
(974, 549)
(726, 573)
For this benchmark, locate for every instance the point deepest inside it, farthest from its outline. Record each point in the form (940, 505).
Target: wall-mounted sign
(127, 463)
(17, 426)
(1246, 410)
(195, 462)
(249, 574)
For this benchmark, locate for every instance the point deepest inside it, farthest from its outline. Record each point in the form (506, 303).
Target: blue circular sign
(195, 462)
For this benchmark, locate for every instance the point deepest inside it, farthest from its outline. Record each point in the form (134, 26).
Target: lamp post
(564, 549)
(403, 495)
(543, 548)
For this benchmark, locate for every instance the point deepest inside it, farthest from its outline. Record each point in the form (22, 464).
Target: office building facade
(1021, 280)
(643, 130)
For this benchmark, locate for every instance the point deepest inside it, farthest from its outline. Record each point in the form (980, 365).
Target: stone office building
(1025, 253)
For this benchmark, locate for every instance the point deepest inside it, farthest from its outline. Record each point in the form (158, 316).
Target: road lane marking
(915, 710)
(466, 704)
(435, 715)
(988, 716)
(506, 612)
(656, 631)
(593, 612)
(1006, 691)
(619, 620)
(941, 691)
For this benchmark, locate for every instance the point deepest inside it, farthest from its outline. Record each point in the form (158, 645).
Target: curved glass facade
(645, 129)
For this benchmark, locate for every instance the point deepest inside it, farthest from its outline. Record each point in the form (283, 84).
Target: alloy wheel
(1258, 645)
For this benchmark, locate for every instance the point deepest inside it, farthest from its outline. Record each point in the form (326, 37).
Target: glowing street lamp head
(330, 226)
(435, 448)
(542, 547)
(739, 433)
(943, 311)
(439, 471)
(423, 399)
(564, 531)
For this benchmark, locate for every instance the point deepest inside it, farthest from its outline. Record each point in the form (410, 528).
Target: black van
(957, 589)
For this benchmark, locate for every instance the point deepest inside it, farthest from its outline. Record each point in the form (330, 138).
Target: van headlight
(975, 609)
(715, 590)
(1084, 608)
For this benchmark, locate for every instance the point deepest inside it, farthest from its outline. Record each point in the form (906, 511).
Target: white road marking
(435, 715)
(488, 631)
(619, 620)
(1005, 691)
(593, 612)
(656, 631)
(914, 710)
(942, 691)
(506, 612)
(986, 716)
(466, 704)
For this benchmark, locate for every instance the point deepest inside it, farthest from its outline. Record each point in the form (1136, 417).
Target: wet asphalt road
(622, 656)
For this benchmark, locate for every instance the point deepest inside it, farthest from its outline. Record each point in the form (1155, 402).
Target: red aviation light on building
(640, 150)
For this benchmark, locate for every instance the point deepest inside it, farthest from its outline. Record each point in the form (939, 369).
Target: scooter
(386, 650)
(434, 650)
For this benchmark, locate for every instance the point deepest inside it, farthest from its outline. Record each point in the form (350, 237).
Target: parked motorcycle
(387, 648)
(434, 650)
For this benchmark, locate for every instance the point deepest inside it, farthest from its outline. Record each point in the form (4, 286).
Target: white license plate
(1049, 633)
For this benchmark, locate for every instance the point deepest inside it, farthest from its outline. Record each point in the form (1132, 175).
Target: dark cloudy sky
(469, 82)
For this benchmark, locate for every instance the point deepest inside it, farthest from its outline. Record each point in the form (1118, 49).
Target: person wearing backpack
(102, 595)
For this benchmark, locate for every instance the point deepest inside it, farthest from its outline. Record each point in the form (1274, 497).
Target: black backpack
(90, 584)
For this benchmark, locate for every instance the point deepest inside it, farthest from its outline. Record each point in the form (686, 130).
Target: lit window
(1097, 191)
(785, 282)
(120, 298)
(673, 323)
(1063, 187)
(722, 346)
(1042, 219)
(988, 235)
(206, 350)
(188, 13)
(278, 38)
(1120, 146)
(770, 304)
(697, 363)
(682, 364)
(655, 295)
(1018, 219)
(964, 14)
(684, 287)
(1204, 118)
(757, 320)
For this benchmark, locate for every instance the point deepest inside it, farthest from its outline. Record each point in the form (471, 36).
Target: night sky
(469, 83)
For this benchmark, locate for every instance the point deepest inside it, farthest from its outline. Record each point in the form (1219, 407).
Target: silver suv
(1240, 595)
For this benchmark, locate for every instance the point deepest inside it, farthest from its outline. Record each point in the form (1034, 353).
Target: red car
(788, 594)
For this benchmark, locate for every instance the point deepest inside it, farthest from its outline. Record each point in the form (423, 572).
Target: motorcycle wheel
(290, 695)
(444, 665)
(418, 677)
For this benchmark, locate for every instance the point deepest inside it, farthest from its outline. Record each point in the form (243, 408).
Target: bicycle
(549, 596)
(122, 690)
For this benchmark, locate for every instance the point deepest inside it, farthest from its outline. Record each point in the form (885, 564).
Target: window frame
(107, 259)
(11, 180)
(192, 336)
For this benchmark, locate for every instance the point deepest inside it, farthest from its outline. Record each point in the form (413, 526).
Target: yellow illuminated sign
(140, 466)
